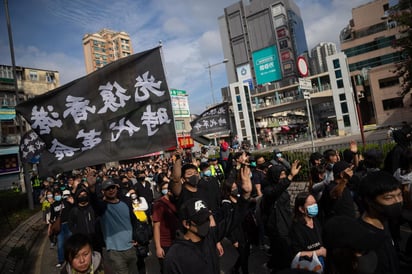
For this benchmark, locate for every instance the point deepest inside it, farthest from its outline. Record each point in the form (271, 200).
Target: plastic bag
(303, 262)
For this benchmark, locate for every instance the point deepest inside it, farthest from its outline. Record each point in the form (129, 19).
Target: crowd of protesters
(348, 221)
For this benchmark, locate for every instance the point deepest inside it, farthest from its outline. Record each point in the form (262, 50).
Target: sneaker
(58, 265)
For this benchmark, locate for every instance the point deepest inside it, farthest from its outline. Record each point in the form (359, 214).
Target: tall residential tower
(318, 57)
(104, 47)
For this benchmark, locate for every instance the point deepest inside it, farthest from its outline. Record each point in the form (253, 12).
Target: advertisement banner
(267, 67)
(180, 106)
(244, 75)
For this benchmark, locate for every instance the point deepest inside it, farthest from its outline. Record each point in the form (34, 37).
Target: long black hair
(300, 201)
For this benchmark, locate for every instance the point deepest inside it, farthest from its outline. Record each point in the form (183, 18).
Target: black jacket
(277, 214)
(82, 220)
(185, 256)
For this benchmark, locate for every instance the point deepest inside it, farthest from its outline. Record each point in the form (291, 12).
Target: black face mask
(367, 263)
(389, 211)
(193, 180)
(261, 166)
(82, 199)
(203, 229)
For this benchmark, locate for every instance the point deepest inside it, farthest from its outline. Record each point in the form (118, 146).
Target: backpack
(143, 232)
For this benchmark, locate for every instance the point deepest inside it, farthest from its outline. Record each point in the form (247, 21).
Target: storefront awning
(9, 150)
(7, 113)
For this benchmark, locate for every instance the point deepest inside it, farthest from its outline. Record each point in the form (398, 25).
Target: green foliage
(12, 201)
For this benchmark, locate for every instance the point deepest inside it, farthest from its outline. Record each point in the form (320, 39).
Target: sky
(47, 34)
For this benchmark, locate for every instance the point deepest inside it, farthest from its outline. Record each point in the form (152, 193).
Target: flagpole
(164, 69)
(25, 166)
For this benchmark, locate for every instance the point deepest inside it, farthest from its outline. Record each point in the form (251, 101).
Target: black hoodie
(185, 256)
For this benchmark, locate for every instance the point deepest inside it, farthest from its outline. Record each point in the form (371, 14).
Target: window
(392, 103)
(33, 75)
(242, 123)
(342, 97)
(336, 63)
(338, 74)
(344, 107)
(377, 61)
(6, 72)
(346, 120)
(180, 125)
(339, 83)
(50, 77)
(388, 82)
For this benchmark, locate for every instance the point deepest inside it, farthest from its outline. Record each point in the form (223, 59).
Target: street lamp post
(209, 67)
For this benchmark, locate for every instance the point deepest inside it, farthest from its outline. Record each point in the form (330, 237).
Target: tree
(402, 15)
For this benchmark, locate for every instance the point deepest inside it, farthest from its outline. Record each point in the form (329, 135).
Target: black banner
(118, 112)
(31, 147)
(213, 120)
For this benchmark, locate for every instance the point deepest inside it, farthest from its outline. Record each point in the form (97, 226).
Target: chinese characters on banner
(118, 112)
(213, 120)
(31, 147)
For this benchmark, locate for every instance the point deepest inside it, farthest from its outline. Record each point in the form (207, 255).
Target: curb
(17, 245)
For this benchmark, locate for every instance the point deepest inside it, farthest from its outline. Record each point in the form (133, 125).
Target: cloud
(323, 19)
(188, 30)
(33, 57)
(175, 26)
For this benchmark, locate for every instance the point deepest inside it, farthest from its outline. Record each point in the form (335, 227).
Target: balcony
(272, 104)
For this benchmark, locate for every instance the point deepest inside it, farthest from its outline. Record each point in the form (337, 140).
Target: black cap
(195, 210)
(339, 167)
(108, 183)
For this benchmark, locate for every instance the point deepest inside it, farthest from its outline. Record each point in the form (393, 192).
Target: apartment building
(30, 82)
(105, 46)
(318, 57)
(367, 42)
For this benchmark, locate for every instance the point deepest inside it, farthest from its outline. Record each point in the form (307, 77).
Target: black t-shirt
(388, 261)
(304, 238)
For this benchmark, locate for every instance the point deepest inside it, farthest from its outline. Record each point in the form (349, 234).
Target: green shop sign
(266, 64)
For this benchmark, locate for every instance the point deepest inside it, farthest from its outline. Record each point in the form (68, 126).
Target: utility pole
(19, 120)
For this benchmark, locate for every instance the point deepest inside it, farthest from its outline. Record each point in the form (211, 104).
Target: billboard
(266, 63)
(180, 103)
(244, 75)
